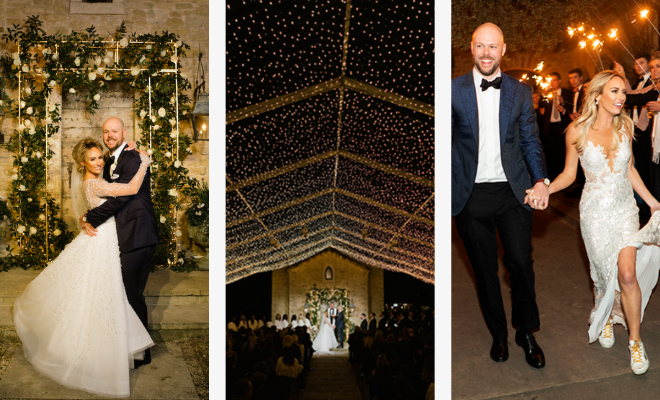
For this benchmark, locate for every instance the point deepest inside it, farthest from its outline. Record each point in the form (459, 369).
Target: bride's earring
(596, 101)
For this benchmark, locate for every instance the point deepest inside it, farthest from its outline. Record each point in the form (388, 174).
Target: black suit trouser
(493, 208)
(135, 268)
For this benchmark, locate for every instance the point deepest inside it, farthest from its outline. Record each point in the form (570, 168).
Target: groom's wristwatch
(545, 181)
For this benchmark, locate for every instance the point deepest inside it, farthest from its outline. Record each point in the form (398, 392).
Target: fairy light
(286, 158)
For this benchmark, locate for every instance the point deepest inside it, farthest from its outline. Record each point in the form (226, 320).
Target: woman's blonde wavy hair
(81, 149)
(622, 122)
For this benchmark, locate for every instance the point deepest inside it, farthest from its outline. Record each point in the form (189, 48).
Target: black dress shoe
(499, 351)
(533, 353)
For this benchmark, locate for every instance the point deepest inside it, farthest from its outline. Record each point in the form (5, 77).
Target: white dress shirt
(576, 94)
(117, 152)
(489, 166)
(554, 114)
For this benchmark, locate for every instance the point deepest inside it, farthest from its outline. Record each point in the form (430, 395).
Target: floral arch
(317, 298)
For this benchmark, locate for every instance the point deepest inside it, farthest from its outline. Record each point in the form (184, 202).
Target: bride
(624, 271)
(73, 319)
(325, 340)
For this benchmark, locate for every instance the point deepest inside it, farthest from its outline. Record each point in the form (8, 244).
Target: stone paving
(331, 378)
(574, 368)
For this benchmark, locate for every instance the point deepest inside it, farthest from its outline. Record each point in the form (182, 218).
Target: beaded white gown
(609, 221)
(74, 320)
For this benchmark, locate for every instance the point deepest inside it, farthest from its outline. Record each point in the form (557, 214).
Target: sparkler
(644, 14)
(583, 43)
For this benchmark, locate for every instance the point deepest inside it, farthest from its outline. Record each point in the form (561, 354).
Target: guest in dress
(253, 324)
(260, 323)
(242, 323)
(285, 321)
(294, 322)
(278, 322)
(232, 325)
(308, 323)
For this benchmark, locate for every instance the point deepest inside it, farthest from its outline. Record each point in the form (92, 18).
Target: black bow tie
(495, 83)
(111, 160)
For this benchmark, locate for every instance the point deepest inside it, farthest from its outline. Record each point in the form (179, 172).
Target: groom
(134, 216)
(496, 156)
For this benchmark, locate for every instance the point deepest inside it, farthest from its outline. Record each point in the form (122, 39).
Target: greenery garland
(84, 63)
(316, 297)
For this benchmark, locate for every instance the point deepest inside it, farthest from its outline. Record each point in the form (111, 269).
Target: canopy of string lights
(330, 134)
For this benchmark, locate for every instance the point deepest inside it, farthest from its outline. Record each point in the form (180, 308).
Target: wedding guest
(577, 81)
(308, 322)
(557, 119)
(382, 323)
(288, 364)
(232, 324)
(242, 323)
(278, 322)
(260, 323)
(252, 323)
(285, 321)
(294, 322)
(363, 324)
(372, 323)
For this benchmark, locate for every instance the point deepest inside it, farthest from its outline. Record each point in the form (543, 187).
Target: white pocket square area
(115, 176)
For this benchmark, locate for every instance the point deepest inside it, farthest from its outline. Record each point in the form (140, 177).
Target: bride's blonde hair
(81, 149)
(590, 111)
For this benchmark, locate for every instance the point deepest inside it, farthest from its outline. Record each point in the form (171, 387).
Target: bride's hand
(131, 145)
(655, 208)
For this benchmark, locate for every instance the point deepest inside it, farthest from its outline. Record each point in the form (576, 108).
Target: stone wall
(364, 284)
(187, 18)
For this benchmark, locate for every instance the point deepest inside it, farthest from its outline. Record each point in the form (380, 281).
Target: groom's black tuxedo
(339, 328)
(136, 230)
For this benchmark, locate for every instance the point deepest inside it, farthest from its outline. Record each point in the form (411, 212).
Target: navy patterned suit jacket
(523, 159)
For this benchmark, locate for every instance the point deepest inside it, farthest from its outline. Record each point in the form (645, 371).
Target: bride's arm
(104, 188)
(639, 187)
(564, 180)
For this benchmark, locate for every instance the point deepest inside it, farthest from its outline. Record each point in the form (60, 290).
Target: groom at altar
(496, 156)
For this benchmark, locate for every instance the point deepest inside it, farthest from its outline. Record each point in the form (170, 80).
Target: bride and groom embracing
(333, 318)
(83, 320)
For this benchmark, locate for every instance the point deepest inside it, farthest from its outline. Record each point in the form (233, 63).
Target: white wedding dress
(609, 222)
(325, 340)
(74, 320)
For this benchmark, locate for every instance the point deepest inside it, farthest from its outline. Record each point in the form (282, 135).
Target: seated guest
(260, 323)
(242, 323)
(232, 324)
(252, 323)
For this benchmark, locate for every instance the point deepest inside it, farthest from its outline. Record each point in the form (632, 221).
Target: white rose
(17, 62)
(184, 76)
(56, 232)
(174, 59)
(28, 122)
(32, 131)
(56, 56)
(106, 61)
(185, 112)
(112, 167)
(49, 120)
(46, 51)
(52, 83)
(29, 110)
(14, 177)
(24, 159)
(97, 97)
(150, 152)
(21, 127)
(162, 219)
(42, 217)
(142, 59)
(156, 127)
(172, 121)
(161, 112)
(22, 104)
(33, 230)
(178, 43)
(177, 164)
(163, 53)
(28, 91)
(149, 47)
(180, 259)
(25, 68)
(123, 42)
(29, 199)
(172, 100)
(77, 61)
(135, 70)
(46, 75)
(143, 113)
(173, 135)
(189, 150)
(107, 77)
(98, 60)
(168, 154)
(38, 154)
(173, 192)
(72, 90)
(20, 229)
(92, 76)
(109, 53)
(153, 119)
(100, 71)
(201, 205)
(15, 55)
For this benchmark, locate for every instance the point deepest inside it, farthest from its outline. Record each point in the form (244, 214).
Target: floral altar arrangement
(316, 297)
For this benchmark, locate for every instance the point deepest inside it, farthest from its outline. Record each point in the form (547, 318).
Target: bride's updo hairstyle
(81, 150)
(590, 111)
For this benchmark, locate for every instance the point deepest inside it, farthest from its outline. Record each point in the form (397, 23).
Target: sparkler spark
(644, 13)
(597, 43)
(539, 67)
(612, 34)
(591, 36)
(583, 44)
(571, 31)
(581, 28)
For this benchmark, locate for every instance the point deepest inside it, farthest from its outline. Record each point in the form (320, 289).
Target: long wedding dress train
(325, 340)
(74, 320)
(609, 221)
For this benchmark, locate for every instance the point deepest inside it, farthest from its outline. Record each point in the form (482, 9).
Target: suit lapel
(470, 104)
(507, 93)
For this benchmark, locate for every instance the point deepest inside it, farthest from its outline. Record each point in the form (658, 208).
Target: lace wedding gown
(74, 319)
(609, 222)
(326, 338)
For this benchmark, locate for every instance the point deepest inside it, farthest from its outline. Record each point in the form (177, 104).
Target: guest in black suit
(574, 105)
(134, 216)
(496, 157)
(363, 324)
(339, 326)
(382, 322)
(556, 121)
(372, 323)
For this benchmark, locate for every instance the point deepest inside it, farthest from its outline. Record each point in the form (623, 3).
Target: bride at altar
(325, 340)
